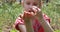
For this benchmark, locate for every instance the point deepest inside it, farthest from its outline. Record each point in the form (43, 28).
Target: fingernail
(39, 9)
(32, 13)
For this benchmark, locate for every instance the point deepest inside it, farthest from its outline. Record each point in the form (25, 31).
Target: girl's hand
(33, 13)
(28, 15)
(37, 12)
(27, 20)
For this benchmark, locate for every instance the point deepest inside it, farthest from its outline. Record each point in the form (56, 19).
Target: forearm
(46, 25)
(29, 26)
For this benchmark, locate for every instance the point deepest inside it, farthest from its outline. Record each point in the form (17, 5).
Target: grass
(8, 14)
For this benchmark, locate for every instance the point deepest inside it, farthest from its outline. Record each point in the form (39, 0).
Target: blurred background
(10, 10)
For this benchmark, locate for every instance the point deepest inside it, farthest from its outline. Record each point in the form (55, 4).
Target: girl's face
(29, 3)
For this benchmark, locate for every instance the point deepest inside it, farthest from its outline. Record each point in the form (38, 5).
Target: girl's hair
(39, 0)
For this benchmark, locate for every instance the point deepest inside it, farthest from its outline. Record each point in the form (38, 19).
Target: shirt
(36, 25)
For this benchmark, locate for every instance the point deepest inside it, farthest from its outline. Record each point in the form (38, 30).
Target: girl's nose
(30, 6)
(30, 9)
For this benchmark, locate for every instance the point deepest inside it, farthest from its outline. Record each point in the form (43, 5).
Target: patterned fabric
(36, 25)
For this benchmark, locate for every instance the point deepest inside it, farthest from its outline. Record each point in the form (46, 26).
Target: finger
(21, 15)
(27, 14)
(37, 9)
(32, 13)
(34, 7)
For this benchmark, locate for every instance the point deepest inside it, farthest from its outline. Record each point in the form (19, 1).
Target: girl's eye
(28, 3)
(35, 4)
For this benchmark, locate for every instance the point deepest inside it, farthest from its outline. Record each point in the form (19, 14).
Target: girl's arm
(44, 23)
(27, 27)
(22, 28)
(46, 26)
(27, 20)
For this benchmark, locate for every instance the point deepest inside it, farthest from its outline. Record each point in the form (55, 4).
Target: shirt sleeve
(46, 18)
(18, 21)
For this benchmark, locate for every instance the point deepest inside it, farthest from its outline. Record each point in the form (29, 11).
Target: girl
(33, 20)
